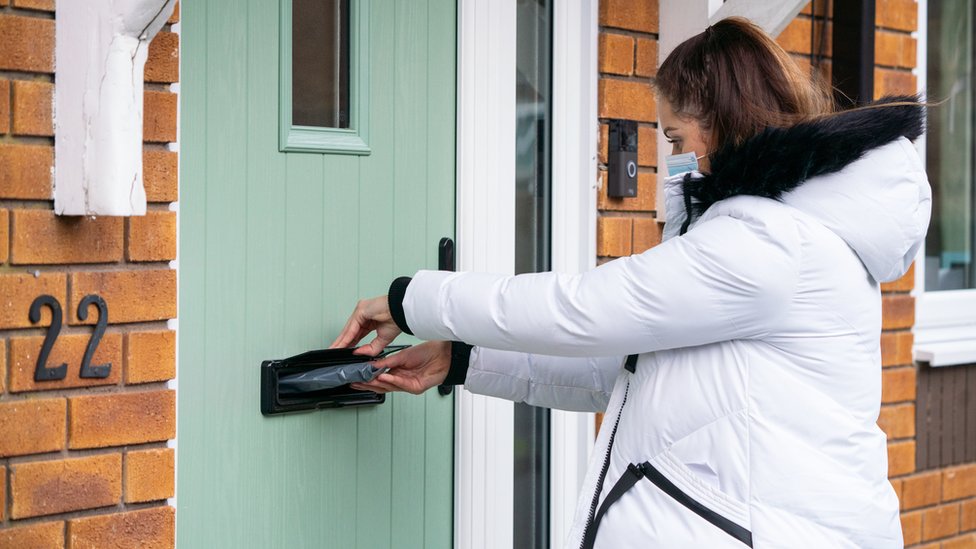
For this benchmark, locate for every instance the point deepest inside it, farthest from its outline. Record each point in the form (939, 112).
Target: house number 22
(42, 372)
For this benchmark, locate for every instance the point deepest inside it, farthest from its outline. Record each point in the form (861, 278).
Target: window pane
(320, 63)
(949, 147)
(533, 97)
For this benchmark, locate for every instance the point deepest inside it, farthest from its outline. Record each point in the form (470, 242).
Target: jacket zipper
(657, 479)
(603, 471)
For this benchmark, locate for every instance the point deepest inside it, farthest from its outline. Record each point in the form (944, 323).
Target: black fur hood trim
(778, 160)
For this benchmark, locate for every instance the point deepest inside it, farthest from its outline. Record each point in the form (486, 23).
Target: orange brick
(647, 234)
(149, 475)
(159, 175)
(894, 49)
(159, 117)
(151, 356)
(49, 487)
(646, 146)
(131, 296)
(4, 106)
(898, 384)
(25, 171)
(898, 311)
(163, 64)
(40, 535)
(41, 5)
(616, 54)
(152, 528)
(896, 486)
(897, 14)
(41, 237)
(604, 143)
(175, 16)
(911, 527)
(921, 490)
(32, 106)
(967, 516)
(643, 202)
(19, 291)
(896, 348)
(152, 237)
(3, 493)
(904, 284)
(940, 522)
(962, 542)
(627, 99)
(27, 44)
(901, 458)
(4, 235)
(3, 368)
(97, 421)
(613, 236)
(897, 421)
(646, 63)
(32, 426)
(795, 37)
(635, 15)
(894, 82)
(68, 349)
(959, 482)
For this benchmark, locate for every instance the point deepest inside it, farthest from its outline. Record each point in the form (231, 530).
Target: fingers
(407, 384)
(345, 338)
(376, 386)
(366, 350)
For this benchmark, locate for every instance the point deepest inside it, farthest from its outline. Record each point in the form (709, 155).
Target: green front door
(275, 249)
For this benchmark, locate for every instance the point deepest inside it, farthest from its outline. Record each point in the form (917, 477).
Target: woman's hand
(414, 369)
(370, 314)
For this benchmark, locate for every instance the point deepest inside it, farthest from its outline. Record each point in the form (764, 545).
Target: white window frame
(945, 321)
(484, 427)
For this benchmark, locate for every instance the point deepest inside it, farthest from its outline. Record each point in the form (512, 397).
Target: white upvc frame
(945, 321)
(574, 188)
(484, 432)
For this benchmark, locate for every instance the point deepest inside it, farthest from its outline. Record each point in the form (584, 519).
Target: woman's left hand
(369, 315)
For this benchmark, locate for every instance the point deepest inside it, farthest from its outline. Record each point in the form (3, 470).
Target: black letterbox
(293, 384)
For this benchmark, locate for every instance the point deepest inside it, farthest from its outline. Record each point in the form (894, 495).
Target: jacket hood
(856, 172)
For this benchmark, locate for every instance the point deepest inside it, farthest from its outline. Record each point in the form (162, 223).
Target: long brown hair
(735, 80)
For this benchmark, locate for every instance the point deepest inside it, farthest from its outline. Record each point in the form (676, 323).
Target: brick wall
(938, 506)
(83, 461)
(627, 61)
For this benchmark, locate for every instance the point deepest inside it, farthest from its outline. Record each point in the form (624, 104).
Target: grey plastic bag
(328, 377)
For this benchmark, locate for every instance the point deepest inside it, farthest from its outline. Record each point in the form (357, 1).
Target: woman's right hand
(413, 370)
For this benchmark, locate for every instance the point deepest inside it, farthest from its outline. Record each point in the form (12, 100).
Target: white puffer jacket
(750, 416)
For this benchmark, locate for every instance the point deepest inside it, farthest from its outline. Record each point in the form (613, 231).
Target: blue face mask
(681, 163)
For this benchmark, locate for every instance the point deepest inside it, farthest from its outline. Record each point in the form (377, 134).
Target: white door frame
(484, 432)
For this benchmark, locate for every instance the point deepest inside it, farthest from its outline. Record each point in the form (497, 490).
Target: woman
(738, 361)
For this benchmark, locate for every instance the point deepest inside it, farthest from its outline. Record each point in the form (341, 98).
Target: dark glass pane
(949, 147)
(532, 242)
(320, 63)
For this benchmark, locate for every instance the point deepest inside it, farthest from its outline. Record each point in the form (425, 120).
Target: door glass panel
(532, 254)
(949, 147)
(320, 63)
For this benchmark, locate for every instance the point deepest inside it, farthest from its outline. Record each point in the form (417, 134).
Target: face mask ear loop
(687, 197)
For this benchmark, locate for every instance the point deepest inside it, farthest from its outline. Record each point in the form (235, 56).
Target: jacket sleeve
(731, 277)
(579, 384)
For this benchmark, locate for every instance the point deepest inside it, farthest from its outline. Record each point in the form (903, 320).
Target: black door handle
(445, 262)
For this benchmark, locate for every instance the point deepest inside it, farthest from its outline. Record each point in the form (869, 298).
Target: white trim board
(484, 427)
(574, 170)
(484, 432)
